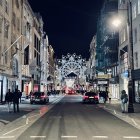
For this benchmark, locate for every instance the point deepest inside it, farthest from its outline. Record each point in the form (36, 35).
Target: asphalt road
(71, 120)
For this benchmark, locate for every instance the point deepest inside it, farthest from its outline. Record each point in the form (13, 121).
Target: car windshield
(90, 94)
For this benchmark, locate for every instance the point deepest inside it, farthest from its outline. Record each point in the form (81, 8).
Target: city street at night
(70, 119)
(69, 69)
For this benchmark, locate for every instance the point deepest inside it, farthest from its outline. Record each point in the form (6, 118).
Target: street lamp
(116, 23)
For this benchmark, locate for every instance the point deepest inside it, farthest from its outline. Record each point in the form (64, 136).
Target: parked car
(39, 97)
(90, 97)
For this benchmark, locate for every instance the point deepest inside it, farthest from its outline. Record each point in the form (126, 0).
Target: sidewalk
(115, 108)
(25, 108)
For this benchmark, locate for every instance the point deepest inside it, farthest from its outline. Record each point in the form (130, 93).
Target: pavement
(26, 109)
(115, 108)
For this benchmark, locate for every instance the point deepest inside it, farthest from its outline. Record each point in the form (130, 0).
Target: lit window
(134, 13)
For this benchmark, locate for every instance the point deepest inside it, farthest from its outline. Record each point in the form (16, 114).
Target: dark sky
(69, 24)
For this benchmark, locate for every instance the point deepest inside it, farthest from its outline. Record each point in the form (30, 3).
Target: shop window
(136, 59)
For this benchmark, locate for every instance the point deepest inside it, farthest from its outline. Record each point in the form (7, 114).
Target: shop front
(136, 77)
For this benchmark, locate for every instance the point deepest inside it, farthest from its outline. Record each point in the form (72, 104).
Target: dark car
(90, 97)
(39, 97)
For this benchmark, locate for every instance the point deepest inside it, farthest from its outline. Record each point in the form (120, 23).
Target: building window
(1, 2)
(6, 7)
(134, 12)
(14, 19)
(6, 29)
(18, 24)
(17, 3)
(122, 1)
(1, 21)
(123, 35)
(138, 6)
(135, 35)
(6, 56)
(136, 59)
(26, 56)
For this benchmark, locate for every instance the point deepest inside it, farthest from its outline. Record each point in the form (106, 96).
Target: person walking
(16, 97)
(124, 100)
(20, 95)
(9, 99)
(109, 97)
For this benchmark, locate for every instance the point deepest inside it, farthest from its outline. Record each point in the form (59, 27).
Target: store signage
(105, 76)
(102, 82)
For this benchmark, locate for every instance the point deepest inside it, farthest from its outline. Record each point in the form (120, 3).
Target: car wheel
(97, 102)
(31, 102)
(45, 101)
(83, 102)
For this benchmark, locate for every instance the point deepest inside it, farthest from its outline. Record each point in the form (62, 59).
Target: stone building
(5, 49)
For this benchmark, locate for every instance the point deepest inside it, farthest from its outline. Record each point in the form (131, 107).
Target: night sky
(69, 24)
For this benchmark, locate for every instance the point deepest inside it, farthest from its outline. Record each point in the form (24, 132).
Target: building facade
(5, 49)
(136, 49)
(27, 47)
(22, 43)
(107, 50)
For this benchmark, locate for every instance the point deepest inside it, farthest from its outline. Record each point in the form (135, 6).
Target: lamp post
(116, 23)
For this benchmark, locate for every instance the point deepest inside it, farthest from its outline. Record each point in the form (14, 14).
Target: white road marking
(100, 137)
(7, 137)
(134, 121)
(37, 136)
(131, 137)
(14, 130)
(68, 136)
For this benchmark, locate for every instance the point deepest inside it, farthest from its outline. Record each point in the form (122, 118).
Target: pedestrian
(9, 99)
(109, 97)
(16, 97)
(124, 100)
(20, 95)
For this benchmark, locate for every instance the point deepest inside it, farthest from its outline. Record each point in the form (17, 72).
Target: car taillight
(96, 97)
(43, 96)
(85, 97)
